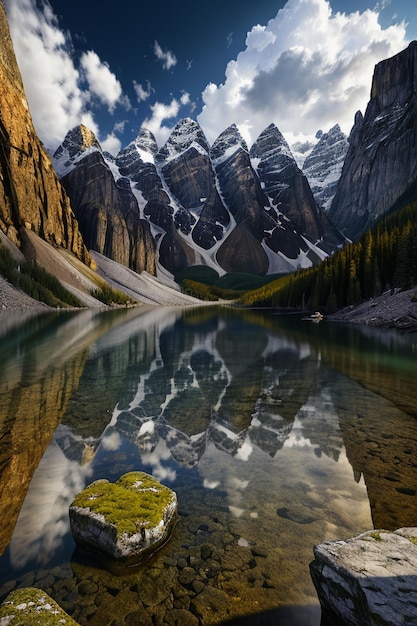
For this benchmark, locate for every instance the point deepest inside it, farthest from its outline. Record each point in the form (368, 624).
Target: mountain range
(231, 208)
(189, 203)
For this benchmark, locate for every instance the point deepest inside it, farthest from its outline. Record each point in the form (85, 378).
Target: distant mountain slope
(323, 166)
(220, 206)
(103, 202)
(381, 163)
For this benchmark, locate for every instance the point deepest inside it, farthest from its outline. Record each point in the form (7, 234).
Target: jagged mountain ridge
(223, 206)
(380, 169)
(155, 225)
(323, 166)
(103, 202)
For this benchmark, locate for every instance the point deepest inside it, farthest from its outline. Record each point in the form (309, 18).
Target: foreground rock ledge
(33, 606)
(368, 580)
(127, 520)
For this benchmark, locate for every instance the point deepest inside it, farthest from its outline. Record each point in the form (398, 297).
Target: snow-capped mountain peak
(324, 165)
(78, 142)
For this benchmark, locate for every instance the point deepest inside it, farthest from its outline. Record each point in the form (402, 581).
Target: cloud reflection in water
(43, 521)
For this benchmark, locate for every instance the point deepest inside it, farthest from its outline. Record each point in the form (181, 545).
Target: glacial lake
(276, 433)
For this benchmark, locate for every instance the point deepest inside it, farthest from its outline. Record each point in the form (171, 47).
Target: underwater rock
(127, 520)
(370, 579)
(33, 606)
(300, 515)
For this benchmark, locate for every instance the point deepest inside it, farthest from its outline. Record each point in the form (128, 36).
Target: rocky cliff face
(242, 250)
(198, 212)
(381, 164)
(104, 204)
(289, 195)
(323, 166)
(31, 196)
(284, 183)
(221, 206)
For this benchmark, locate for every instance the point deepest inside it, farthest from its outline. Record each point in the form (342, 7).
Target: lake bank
(389, 310)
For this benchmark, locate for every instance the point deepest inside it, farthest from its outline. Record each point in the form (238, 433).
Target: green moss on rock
(131, 517)
(33, 606)
(134, 501)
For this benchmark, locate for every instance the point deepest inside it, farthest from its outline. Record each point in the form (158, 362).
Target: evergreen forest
(385, 258)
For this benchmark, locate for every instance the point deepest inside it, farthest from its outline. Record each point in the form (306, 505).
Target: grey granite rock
(368, 580)
(323, 166)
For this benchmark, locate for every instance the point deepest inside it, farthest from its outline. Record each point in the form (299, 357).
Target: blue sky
(303, 64)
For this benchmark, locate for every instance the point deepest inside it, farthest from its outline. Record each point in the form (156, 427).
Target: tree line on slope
(35, 281)
(384, 258)
(43, 286)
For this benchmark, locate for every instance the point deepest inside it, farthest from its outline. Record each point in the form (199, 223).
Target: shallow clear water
(275, 432)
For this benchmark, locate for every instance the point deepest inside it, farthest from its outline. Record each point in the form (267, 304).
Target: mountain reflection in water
(276, 434)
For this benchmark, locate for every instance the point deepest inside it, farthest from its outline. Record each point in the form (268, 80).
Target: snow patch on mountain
(324, 164)
(65, 163)
(225, 207)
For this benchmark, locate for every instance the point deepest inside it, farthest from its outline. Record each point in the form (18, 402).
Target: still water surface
(275, 432)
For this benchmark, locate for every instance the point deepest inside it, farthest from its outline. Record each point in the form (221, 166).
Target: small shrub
(106, 294)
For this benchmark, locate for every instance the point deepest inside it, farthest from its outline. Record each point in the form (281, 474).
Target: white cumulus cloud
(167, 57)
(142, 93)
(101, 81)
(160, 113)
(307, 69)
(60, 93)
(111, 144)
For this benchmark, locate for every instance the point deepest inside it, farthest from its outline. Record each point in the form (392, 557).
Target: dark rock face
(278, 171)
(31, 195)
(241, 188)
(136, 162)
(291, 199)
(188, 172)
(106, 209)
(381, 164)
(324, 164)
(221, 206)
(242, 250)
(141, 163)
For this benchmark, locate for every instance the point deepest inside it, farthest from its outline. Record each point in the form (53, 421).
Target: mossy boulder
(127, 520)
(33, 606)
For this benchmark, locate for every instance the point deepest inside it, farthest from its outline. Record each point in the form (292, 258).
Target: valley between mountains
(138, 220)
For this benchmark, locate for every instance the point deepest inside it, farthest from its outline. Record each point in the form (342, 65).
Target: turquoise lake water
(275, 432)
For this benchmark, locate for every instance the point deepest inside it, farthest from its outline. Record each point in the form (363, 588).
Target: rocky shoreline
(12, 299)
(390, 310)
(370, 579)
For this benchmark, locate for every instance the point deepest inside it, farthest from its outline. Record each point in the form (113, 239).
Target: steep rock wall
(381, 164)
(105, 206)
(30, 193)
